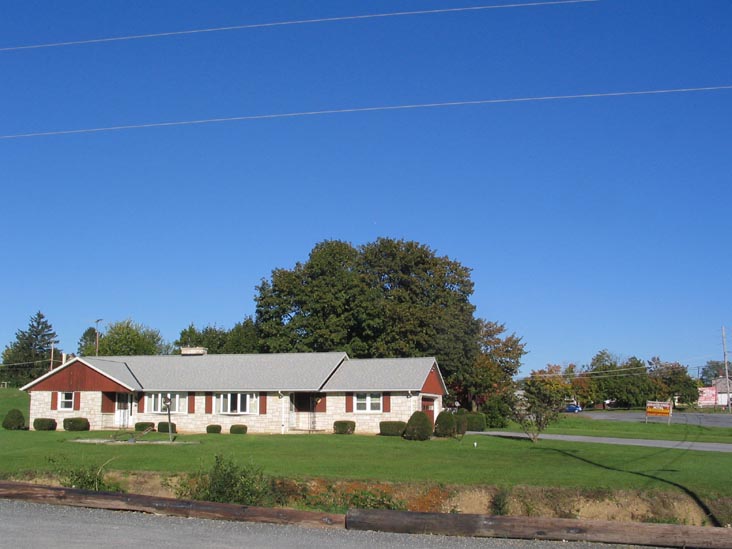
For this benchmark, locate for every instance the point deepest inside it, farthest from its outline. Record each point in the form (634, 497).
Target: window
(237, 403)
(156, 403)
(368, 402)
(66, 401)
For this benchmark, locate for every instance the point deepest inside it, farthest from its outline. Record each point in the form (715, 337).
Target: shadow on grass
(703, 506)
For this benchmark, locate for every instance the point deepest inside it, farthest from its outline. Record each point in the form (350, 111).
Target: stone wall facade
(280, 416)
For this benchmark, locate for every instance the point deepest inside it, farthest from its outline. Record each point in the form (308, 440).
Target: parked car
(573, 408)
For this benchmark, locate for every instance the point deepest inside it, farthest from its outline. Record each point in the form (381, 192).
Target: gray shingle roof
(260, 372)
(381, 374)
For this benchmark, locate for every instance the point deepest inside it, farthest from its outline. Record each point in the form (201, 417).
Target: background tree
(540, 400)
(711, 371)
(626, 384)
(490, 380)
(87, 342)
(127, 338)
(29, 356)
(242, 338)
(388, 298)
(673, 381)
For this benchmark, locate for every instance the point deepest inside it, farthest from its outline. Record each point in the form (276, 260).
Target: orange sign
(656, 408)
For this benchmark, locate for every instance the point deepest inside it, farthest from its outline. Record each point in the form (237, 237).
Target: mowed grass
(13, 398)
(494, 461)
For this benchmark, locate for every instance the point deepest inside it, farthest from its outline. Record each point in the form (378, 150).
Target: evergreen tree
(29, 356)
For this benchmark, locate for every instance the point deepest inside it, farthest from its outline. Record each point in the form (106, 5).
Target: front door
(123, 410)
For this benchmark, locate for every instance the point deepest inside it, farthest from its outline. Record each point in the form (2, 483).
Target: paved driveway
(690, 418)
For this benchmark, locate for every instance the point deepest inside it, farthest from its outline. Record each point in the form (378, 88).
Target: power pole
(726, 370)
(50, 366)
(96, 332)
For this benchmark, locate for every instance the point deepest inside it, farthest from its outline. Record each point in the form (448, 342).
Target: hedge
(165, 427)
(213, 429)
(344, 427)
(238, 429)
(445, 424)
(44, 424)
(14, 420)
(144, 425)
(392, 428)
(419, 427)
(476, 421)
(461, 424)
(76, 424)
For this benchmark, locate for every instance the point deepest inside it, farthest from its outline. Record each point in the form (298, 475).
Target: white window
(157, 403)
(237, 403)
(66, 401)
(368, 402)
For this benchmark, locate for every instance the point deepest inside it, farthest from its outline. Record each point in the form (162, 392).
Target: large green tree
(242, 338)
(711, 371)
(673, 381)
(127, 338)
(29, 355)
(388, 298)
(625, 383)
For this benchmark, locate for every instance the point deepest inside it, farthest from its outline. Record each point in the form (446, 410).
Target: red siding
(54, 401)
(320, 403)
(432, 384)
(262, 403)
(108, 402)
(77, 376)
(191, 403)
(77, 400)
(141, 403)
(209, 403)
(386, 402)
(349, 402)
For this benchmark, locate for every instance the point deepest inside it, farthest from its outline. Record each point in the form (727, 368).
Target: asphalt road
(684, 418)
(34, 525)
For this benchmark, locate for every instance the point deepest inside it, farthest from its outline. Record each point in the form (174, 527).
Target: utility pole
(726, 370)
(50, 366)
(96, 332)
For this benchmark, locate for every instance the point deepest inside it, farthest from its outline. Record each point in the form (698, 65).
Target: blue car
(573, 408)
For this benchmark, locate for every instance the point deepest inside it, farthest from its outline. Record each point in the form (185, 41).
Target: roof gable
(386, 374)
(79, 375)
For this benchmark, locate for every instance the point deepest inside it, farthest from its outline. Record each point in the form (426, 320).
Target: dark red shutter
(141, 404)
(108, 402)
(191, 403)
(386, 402)
(262, 404)
(320, 404)
(209, 403)
(54, 401)
(77, 400)
(349, 403)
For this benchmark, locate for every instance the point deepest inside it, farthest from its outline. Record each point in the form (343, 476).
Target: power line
(286, 23)
(363, 109)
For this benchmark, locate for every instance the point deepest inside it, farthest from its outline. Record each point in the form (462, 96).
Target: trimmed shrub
(392, 428)
(228, 482)
(76, 424)
(419, 427)
(476, 421)
(213, 429)
(344, 427)
(44, 424)
(461, 424)
(165, 427)
(497, 413)
(238, 429)
(141, 426)
(14, 420)
(445, 424)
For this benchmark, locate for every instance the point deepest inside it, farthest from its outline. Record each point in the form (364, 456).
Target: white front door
(123, 410)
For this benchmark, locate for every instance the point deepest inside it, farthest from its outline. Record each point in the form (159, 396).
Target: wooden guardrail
(665, 535)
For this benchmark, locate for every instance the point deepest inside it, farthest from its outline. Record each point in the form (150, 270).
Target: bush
(445, 424)
(142, 426)
(392, 428)
(461, 424)
(76, 424)
(165, 427)
(497, 413)
(14, 420)
(44, 424)
(344, 427)
(238, 429)
(228, 482)
(476, 421)
(213, 429)
(84, 477)
(419, 427)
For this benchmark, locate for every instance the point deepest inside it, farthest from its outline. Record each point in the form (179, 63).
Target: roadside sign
(656, 408)
(707, 396)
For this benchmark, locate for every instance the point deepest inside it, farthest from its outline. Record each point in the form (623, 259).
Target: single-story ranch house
(270, 393)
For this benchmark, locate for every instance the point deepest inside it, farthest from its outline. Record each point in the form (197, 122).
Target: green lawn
(494, 461)
(13, 398)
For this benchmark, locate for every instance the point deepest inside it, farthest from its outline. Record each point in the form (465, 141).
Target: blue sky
(588, 223)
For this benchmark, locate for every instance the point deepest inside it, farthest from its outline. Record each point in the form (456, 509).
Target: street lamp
(96, 332)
